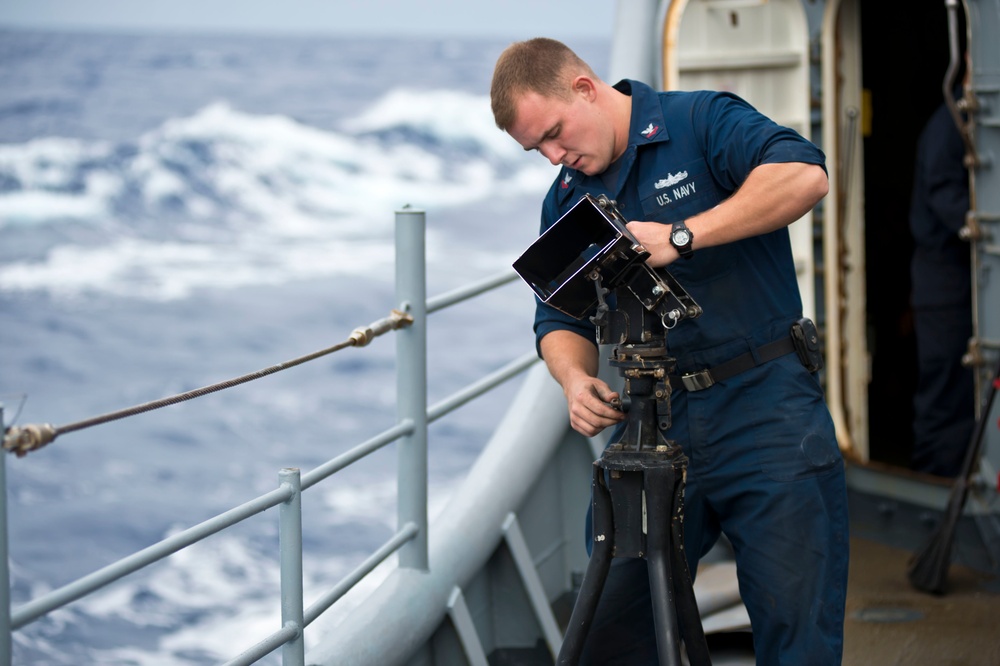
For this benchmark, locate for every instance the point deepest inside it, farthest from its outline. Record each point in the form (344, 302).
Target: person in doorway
(764, 468)
(941, 298)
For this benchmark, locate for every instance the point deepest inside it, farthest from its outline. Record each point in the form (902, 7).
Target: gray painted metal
(462, 538)
(266, 647)
(464, 293)
(984, 51)
(5, 627)
(411, 385)
(403, 535)
(94, 581)
(481, 386)
(357, 453)
(631, 47)
(290, 544)
(406, 533)
(460, 616)
(529, 577)
(290, 636)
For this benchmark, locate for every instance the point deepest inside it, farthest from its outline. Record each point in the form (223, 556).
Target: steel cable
(24, 439)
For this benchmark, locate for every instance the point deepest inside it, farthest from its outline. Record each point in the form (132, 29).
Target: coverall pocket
(795, 438)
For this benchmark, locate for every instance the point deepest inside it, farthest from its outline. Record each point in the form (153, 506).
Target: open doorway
(905, 58)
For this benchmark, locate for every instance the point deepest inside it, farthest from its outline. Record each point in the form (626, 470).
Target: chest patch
(674, 187)
(677, 189)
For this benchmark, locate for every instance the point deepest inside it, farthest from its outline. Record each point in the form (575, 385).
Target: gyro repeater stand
(587, 259)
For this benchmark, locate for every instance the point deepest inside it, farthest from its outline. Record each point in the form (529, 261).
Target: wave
(224, 198)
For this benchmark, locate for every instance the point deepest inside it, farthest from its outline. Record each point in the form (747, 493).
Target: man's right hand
(588, 399)
(572, 361)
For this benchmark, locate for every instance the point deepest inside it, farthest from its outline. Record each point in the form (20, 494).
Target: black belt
(703, 379)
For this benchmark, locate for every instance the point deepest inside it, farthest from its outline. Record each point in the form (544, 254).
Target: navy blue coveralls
(941, 272)
(764, 465)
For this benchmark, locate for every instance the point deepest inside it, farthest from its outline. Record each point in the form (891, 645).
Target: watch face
(682, 237)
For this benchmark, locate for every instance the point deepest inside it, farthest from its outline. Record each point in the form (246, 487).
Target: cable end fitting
(22, 440)
(362, 335)
(399, 319)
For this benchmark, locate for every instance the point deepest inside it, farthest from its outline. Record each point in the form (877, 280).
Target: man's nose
(553, 153)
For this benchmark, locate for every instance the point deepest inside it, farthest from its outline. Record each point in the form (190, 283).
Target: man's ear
(585, 86)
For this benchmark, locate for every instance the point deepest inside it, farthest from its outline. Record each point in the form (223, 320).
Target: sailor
(709, 185)
(941, 297)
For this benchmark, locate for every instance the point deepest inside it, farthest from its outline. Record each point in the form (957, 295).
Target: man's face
(570, 132)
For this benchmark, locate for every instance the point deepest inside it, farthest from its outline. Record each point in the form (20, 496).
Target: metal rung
(458, 611)
(532, 583)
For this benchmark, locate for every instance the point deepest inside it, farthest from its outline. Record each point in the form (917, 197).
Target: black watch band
(682, 238)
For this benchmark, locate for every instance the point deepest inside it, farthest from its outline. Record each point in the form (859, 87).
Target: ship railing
(410, 541)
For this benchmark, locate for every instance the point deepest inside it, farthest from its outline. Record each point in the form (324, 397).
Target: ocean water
(180, 210)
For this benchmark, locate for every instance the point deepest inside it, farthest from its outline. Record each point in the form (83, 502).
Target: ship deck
(889, 622)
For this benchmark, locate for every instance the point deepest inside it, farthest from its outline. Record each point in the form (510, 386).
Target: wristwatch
(681, 238)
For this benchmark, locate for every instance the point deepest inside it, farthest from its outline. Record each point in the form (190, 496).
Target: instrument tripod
(638, 497)
(638, 485)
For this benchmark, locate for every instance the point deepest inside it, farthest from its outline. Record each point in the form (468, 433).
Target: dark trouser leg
(944, 410)
(792, 568)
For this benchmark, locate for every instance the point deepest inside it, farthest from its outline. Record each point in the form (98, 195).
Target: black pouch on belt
(805, 339)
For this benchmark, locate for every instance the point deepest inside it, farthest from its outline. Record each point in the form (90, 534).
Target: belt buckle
(698, 381)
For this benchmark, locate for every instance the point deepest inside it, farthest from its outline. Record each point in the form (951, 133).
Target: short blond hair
(541, 65)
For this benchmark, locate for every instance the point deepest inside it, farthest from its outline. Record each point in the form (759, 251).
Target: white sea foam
(449, 115)
(162, 271)
(226, 199)
(52, 187)
(36, 207)
(235, 590)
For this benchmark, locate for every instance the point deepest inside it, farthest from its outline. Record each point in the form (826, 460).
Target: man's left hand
(655, 237)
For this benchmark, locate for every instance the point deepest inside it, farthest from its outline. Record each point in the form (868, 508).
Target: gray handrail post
(293, 653)
(411, 382)
(6, 654)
